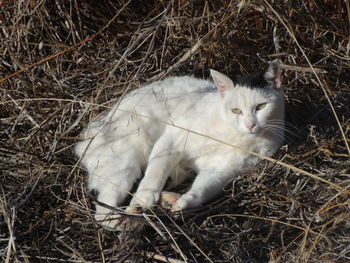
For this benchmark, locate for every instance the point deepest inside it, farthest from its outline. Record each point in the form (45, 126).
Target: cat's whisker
(285, 123)
(280, 128)
(283, 128)
(278, 133)
(286, 129)
(275, 129)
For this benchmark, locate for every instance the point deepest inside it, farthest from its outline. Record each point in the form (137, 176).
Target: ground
(63, 62)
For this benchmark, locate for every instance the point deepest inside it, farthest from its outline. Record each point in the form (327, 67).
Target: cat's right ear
(273, 74)
(221, 81)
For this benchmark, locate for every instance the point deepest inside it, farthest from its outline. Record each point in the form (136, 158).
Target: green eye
(260, 106)
(236, 111)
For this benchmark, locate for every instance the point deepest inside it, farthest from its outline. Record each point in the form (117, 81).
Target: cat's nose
(250, 126)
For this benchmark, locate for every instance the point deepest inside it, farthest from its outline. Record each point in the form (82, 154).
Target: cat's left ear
(222, 82)
(273, 74)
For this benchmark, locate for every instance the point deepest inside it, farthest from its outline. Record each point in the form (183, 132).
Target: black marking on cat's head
(270, 78)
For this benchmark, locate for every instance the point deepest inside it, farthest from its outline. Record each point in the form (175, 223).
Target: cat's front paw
(145, 199)
(185, 201)
(168, 199)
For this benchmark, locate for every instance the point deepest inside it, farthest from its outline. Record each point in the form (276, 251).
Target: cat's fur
(142, 136)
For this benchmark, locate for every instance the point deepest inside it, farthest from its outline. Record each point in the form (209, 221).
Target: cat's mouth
(254, 132)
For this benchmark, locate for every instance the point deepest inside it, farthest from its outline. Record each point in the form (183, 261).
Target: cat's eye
(236, 111)
(260, 106)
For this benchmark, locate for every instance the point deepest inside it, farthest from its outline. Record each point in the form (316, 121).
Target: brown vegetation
(63, 62)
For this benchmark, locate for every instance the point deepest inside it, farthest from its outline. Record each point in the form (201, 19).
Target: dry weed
(63, 62)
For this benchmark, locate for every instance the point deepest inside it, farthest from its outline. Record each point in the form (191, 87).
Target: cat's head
(251, 103)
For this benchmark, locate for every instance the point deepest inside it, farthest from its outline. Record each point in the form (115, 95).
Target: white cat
(141, 135)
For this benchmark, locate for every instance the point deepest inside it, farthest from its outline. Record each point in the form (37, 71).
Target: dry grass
(65, 61)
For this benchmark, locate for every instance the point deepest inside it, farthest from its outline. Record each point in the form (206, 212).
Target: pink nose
(250, 126)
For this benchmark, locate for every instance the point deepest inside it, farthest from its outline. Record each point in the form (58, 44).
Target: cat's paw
(180, 204)
(134, 210)
(185, 201)
(145, 199)
(168, 199)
